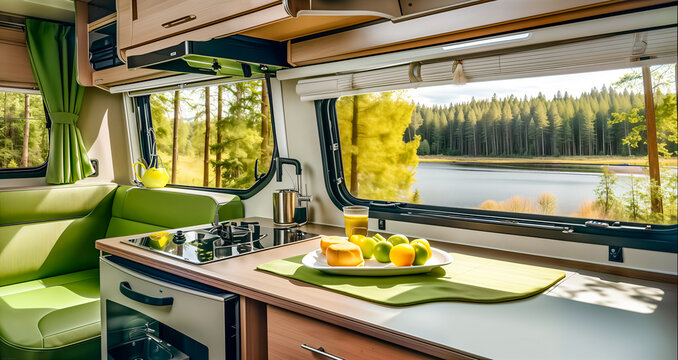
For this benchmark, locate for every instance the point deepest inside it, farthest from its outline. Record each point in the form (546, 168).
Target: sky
(574, 84)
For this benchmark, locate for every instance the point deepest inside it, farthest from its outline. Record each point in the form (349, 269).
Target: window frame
(31, 171)
(148, 149)
(663, 238)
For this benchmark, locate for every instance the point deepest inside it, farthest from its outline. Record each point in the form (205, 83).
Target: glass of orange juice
(355, 220)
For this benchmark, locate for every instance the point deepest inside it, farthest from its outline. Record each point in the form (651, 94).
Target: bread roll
(344, 254)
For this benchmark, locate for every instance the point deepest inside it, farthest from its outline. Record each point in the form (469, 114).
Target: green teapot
(154, 176)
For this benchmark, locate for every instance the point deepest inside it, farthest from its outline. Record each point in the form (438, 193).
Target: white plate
(316, 260)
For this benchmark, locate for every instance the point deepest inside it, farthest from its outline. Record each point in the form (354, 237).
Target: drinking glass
(355, 220)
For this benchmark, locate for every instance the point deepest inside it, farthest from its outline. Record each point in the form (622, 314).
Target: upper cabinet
(144, 21)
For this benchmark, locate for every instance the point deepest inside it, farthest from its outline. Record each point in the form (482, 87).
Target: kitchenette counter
(588, 315)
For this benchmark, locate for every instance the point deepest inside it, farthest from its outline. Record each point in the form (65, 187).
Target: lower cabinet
(293, 336)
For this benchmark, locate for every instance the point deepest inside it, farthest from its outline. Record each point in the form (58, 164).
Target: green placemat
(467, 278)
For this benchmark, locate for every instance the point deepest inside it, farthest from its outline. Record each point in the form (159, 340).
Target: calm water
(468, 186)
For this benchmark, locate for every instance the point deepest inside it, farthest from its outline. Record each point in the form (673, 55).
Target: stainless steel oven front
(150, 314)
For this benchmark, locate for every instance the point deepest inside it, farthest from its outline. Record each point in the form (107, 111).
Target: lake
(469, 185)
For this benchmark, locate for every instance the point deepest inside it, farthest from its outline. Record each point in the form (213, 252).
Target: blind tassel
(458, 77)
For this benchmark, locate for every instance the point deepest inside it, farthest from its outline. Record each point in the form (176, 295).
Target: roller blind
(617, 51)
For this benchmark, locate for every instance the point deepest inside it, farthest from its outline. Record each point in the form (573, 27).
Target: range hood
(235, 55)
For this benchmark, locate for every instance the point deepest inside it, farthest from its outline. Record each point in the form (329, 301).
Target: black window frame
(663, 238)
(31, 171)
(148, 147)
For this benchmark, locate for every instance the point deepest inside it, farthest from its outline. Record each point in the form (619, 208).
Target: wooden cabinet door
(296, 337)
(156, 19)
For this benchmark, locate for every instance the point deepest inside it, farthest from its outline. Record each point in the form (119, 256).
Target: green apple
(367, 247)
(398, 239)
(421, 253)
(382, 250)
(425, 242)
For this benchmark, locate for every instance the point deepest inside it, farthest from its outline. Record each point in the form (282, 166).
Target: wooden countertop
(588, 315)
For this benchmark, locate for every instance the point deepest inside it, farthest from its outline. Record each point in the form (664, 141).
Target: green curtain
(51, 47)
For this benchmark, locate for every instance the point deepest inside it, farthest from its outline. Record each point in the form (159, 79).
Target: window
(571, 145)
(24, 136)
(213, 136)
(548, 151)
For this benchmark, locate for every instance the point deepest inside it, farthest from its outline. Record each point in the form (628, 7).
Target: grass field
(593, 160)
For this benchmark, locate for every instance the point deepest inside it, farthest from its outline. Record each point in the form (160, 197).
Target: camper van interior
(322, 179)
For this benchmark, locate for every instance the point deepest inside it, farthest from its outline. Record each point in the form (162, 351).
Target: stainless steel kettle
(290, 207)
(284, 204)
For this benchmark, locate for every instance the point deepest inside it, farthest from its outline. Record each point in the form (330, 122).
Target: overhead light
(486, 42)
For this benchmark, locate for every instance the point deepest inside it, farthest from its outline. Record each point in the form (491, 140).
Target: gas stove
(226, 240)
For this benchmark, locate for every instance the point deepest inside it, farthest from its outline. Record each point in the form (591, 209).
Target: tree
(555, 124)
(424, 148)
(206, 157)
(27, 130)
(541, 122)
(220, 130)
(667, 126)
(384, 163)
(241, 141)
(266, 129)
(605, 190)
(175, 138)
(586, 127)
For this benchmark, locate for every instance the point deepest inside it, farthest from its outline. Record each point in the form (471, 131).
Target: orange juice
(359, 222)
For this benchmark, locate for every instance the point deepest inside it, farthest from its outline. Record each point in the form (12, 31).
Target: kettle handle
(134, 167)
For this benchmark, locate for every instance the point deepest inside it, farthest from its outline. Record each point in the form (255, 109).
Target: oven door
(199, 321)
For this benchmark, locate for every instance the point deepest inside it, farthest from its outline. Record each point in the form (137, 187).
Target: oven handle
(126, 290)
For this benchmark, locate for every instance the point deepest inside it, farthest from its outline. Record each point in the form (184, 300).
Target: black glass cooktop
(221, 242)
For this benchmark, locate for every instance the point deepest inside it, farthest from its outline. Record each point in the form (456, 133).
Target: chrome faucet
(146, 330)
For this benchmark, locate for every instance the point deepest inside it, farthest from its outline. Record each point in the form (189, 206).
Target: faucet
(146, 330)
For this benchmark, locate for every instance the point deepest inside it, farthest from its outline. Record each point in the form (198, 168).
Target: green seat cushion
(51, 312)
(51, 203)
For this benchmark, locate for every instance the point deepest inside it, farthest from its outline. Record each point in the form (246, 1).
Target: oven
(148, 314)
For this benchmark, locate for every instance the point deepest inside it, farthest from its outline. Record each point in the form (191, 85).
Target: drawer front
(197, 315)
(157, 19)
(287, 332)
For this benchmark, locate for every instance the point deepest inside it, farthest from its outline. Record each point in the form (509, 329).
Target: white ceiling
(59, 10)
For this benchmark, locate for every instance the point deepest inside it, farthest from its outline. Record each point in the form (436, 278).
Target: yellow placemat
(467, 278)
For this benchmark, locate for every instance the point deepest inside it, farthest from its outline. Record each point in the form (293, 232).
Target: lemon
(402, 255)
(158, 239)
(398, 239)
(382, 250)
(356, 239)
(421, 253)
(367, 247)
(425, 242)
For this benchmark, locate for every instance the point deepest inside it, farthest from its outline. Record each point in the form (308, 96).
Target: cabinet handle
(320, 351)
(178, 21)
(126, 290)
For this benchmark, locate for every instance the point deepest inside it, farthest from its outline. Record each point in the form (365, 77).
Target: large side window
(214, 136)
(24, 136)
(547, 151)
(570, 145)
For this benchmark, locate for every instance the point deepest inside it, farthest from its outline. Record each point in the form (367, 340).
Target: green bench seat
(49, 281)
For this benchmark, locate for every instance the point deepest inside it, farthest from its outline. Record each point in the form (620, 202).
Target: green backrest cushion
(47, 248)
(52, 231)
(137, 210)
(50, 203)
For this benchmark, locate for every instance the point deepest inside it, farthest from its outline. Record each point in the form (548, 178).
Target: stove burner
(227, 239)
